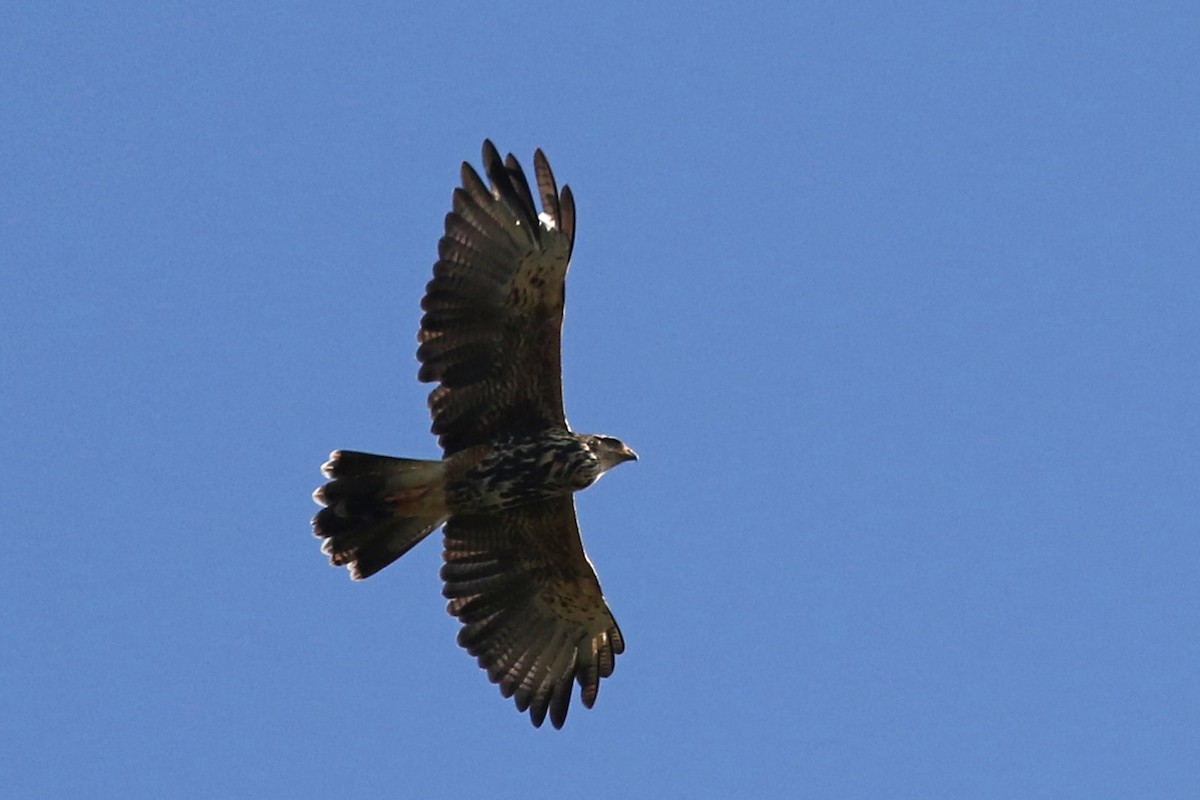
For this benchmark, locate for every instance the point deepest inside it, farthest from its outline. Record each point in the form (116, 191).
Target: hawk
(515, 572)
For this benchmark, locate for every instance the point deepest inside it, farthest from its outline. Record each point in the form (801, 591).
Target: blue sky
(897, 302)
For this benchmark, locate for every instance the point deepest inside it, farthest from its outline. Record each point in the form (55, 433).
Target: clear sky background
(897, 302)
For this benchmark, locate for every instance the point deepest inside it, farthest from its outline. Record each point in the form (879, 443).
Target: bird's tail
(377, 508)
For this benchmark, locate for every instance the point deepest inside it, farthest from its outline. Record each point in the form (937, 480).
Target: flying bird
(515, 571)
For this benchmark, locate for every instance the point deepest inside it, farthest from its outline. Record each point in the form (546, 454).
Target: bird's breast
(519, 470)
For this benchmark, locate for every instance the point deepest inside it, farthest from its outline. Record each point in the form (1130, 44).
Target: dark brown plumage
(515, 571)
(491, 334)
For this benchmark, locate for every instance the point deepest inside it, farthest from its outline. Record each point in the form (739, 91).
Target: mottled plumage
(515, 571)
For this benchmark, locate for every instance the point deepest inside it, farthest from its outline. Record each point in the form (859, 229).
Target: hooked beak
(629, 454)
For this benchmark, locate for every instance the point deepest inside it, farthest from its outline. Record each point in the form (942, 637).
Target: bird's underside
(515, 571)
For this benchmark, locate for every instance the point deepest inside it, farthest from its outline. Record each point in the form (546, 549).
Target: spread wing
(530, 605)
(491, 333)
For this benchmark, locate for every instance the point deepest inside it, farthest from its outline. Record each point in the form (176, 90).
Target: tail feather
(377, 508)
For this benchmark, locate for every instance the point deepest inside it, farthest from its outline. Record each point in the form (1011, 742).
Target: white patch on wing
(547, 221)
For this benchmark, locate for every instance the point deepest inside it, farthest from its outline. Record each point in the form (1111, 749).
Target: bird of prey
(515, 572)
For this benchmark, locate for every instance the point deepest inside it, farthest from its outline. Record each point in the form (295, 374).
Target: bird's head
(610, 451)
